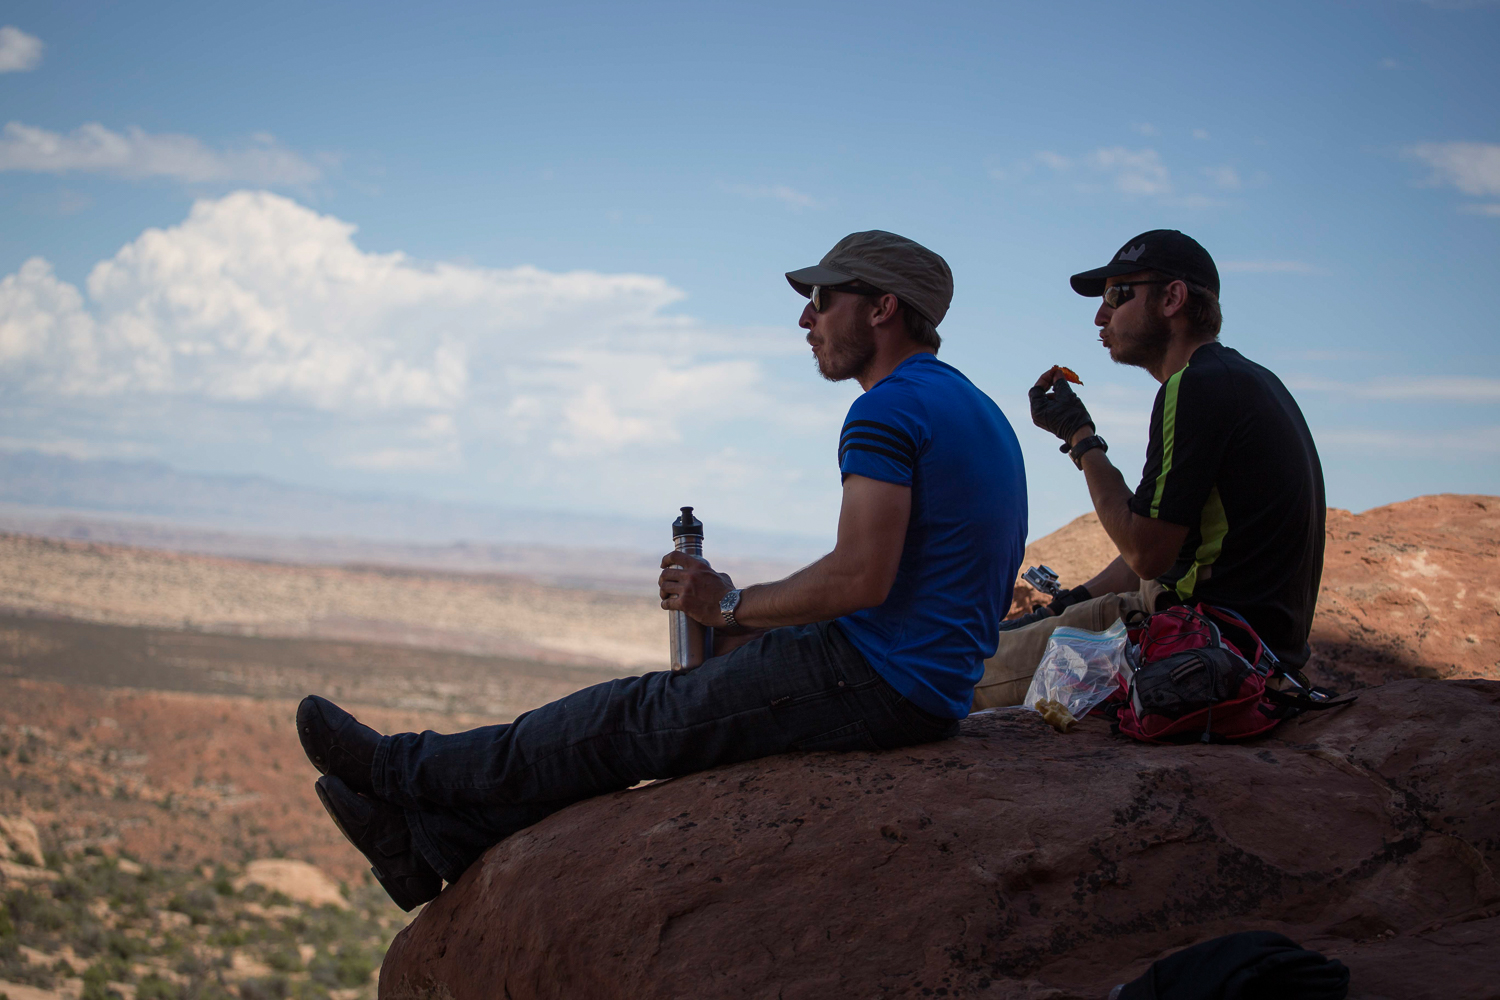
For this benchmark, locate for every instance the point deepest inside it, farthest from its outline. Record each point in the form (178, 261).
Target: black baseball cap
(1167, 251)
(891, 263)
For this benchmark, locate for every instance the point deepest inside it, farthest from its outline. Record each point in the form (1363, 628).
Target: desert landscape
(161, 837)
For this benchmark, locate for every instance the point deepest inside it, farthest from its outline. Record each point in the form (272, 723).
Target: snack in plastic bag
(1056, 715)
(1078, 669)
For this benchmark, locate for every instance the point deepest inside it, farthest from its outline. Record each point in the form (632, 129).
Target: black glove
(1068, 598)
(1059, 411)
(1036, 614)
(1041, 613)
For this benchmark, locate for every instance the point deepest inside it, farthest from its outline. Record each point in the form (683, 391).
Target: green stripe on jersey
(1168, 439)
(1212, 527)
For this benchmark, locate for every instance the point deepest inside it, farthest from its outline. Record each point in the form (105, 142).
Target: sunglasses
(819, 294)
(1116, 296)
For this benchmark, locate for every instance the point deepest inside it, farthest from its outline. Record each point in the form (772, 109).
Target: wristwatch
(1085, 446)
(727, 604)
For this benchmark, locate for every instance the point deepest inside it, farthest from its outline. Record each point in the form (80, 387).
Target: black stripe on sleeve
(886, 442)
(904, 461)
(902, 439)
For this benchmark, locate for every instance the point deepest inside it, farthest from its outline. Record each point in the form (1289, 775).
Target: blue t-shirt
(926, 426)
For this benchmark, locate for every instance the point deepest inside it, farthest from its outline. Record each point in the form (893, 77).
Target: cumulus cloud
(19, 51)
(134, 153)
(1135, 171)
(1472, 167)
(256, 307)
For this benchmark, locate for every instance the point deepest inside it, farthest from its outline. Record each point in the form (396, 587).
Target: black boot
(378, 829)
(337, 743)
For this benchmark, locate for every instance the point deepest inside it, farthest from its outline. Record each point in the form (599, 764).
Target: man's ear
(884, 307)
(1173, 298)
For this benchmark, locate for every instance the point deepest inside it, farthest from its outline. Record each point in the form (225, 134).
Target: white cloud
(1225, 177)
(19, 51)
(1428, 388)
(1472, 167)
(1421, 444)
(134, 153)
(1390, 63)
(1488, 208)
(1136, 171)
(1200, 133)
(776, 192)
(1054, 160)
(1145, 128)
(1269, 267)
(256, 314)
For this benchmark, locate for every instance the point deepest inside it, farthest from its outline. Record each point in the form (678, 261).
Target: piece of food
(1056, 715)
(1066, 373)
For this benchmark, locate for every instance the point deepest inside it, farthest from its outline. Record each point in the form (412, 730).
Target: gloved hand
(1068, 598)
(1058, 411)
(1060, 603)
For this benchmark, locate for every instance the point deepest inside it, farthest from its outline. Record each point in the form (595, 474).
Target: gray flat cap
(908, 270)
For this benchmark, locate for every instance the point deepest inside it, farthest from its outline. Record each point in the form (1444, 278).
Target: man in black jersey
(1230, 507)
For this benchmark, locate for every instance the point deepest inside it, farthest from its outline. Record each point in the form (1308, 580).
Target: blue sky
(532, 254)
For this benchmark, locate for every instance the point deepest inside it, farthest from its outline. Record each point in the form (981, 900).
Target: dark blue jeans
(799, 688)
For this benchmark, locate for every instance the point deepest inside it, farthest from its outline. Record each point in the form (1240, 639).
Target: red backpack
(1189, 681)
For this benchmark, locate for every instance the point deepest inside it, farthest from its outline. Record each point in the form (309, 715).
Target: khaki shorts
(1007, 674)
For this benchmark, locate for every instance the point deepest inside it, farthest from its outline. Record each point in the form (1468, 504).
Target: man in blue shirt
(875, 646)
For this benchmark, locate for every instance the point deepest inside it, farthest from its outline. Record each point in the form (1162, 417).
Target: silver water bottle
(692, 643)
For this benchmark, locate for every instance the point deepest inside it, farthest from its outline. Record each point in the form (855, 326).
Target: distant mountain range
(152, 504)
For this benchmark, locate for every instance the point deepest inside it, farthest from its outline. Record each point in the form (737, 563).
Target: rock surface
(1011, 862)
(294, 879)
(1411, 589)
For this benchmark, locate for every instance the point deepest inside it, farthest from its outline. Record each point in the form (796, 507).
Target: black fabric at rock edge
(1252, 965)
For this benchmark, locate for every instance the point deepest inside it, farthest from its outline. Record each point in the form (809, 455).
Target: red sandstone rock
(1011, 862)
(1409, 590)
(1412, 589)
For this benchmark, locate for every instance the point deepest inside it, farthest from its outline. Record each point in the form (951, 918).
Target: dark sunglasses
(819, 294)
(1116, 296)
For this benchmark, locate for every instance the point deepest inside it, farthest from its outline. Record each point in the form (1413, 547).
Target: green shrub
(154, 987)
(269, 988)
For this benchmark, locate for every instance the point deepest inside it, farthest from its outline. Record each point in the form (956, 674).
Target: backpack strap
(1307, 700)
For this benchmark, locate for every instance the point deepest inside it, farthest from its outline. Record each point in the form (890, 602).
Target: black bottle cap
(687, 524)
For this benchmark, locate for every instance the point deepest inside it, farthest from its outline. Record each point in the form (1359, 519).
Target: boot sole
(399, 895)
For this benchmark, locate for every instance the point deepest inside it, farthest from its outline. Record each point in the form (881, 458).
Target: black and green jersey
(1231, 458)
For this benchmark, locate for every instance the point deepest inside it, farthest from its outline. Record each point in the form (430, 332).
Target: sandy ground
(494, 615)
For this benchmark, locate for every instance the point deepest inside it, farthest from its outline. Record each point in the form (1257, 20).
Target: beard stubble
(1145, 347)
(848, 354)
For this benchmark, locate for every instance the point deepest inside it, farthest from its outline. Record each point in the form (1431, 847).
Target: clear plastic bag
(1078, 668)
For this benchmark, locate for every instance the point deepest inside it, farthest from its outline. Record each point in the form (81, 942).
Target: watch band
(727, 604)
(1085, 446)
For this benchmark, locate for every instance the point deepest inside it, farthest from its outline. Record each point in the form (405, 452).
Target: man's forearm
(1111, 498)
(1149, 546)
(819, 592)
(1116, 578)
